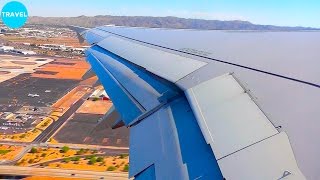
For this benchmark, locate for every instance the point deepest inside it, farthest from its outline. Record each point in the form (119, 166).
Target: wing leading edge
(211, 130)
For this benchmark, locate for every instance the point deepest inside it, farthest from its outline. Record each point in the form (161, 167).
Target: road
(31, 171)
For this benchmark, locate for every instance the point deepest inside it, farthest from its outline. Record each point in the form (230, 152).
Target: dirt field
(4, 72)
(49, 178)
(63, 69)
(43, 155)
(95, 107)
(108, 163)
(89, 81)
(9, 152)
(66, 41)
(23, 137)
(12, 66)
(69, 99)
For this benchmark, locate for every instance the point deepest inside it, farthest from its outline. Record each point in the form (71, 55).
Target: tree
(64, 149)
(33, 150)
(43, 155)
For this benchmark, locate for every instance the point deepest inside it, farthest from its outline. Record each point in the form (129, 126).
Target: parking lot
(16, 92)
(37, 94)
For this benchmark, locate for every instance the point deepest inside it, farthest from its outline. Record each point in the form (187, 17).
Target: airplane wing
(213, 104)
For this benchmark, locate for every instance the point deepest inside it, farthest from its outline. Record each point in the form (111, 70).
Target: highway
(31, 171)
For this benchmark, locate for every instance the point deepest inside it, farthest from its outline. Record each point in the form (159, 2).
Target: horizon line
(294, 26)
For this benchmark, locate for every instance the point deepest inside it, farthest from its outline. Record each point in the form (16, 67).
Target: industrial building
(24, 52)
(6, 48)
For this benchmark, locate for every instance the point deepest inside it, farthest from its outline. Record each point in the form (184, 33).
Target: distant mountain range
(159, 22)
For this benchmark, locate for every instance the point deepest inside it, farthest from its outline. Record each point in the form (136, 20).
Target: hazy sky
(276, 12)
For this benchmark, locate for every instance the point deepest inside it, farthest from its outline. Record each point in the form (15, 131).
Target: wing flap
(230, 118)
(269, 159)
(128, 108)
(145, 88)
(163, 64)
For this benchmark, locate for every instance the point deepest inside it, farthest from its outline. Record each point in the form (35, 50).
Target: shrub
(66, 160)
(100, 159)
(126, 168)
(90, 157)
(33, 150)
(92, 160)
(95, 99)
(64, 149)
(30, 161)
(4, 151)
(122, 156)
(80, 152)
(22, 136)
(43, 155)
(111, 168)
(75, 158)
(45, 164)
